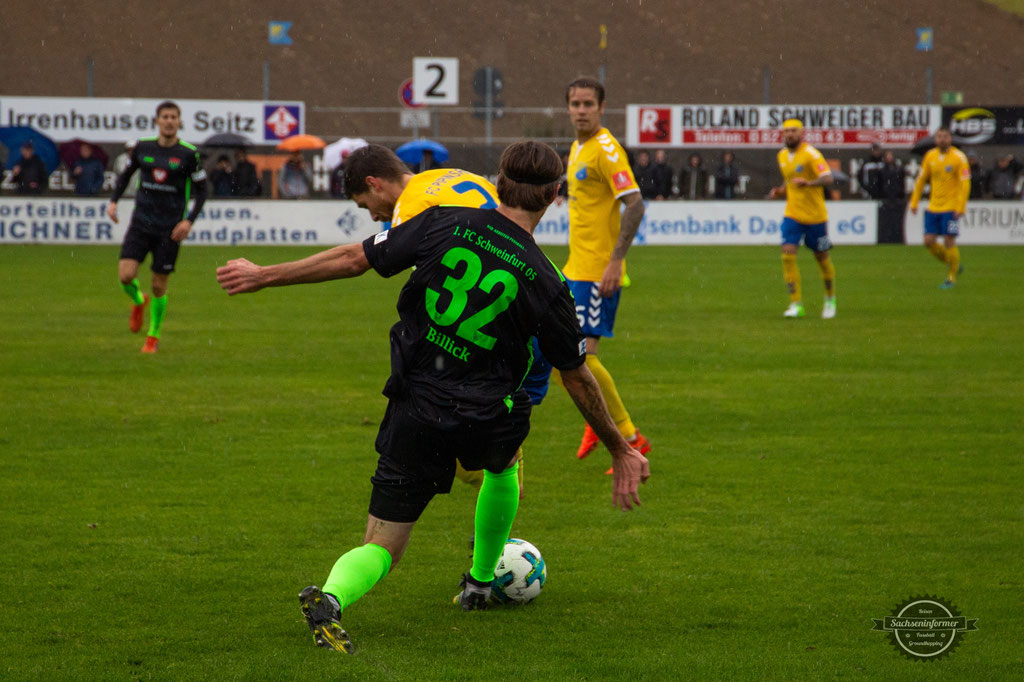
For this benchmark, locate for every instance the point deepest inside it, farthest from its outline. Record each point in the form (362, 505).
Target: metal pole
(266, 80)
(488, 104)
(767, 75)
(90, 76)
(435, 116)
(928, 84)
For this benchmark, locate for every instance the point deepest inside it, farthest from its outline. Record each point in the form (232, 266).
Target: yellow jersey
(598, 176)
(950, 177)
(444, 186)
(804, 204)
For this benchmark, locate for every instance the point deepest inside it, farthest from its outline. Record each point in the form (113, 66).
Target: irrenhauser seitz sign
(110, 119)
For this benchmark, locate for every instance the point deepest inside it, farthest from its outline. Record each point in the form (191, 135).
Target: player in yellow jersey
(380, 182)
(947, 170)
(805, 175)
(599, 179)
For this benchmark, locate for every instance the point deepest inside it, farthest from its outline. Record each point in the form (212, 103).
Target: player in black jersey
(459, 352)
(170, 176)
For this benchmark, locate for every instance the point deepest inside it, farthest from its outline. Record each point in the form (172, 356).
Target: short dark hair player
(170, 175)
(480, 289)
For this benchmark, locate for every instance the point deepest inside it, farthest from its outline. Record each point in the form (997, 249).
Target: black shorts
(137, 243)
(417, 460)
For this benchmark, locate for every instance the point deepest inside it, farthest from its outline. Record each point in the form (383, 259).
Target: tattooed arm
(630, 467)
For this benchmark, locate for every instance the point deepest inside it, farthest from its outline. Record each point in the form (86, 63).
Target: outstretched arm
(630, 468)
(822, 180)
(241, 276)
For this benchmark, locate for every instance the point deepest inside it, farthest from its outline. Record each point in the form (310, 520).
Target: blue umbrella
(412, 152)
(13, 137)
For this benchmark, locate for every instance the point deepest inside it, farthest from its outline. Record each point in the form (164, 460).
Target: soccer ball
(520, 574)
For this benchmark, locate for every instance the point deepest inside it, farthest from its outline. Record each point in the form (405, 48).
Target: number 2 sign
(435, 80)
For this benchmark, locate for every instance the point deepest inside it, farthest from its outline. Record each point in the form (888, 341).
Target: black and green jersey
(482, 287)
(169, 177)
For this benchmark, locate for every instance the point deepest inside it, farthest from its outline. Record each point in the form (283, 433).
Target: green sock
(496, 507)
(356, 572)
(134, 291)
(157, 308)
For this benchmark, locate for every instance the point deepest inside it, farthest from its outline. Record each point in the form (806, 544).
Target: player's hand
(629, 470)
(957, 215)
(239, 276)
(799, 182)
(181, 230)
(913, 210)
(112, 211)
(611, 280)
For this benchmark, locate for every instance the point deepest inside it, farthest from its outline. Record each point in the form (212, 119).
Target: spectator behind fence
(1002, 180)
(727, 176)
(892, 178)
(662, 176)
(123, 160)
(427, 162)
(246, 181)
(88, 172)
(337, 183)
(563, 188)
(222, 179)
(295, 178)
(693, 179)
(644, 174)
(979, 177)
(870, 177)
(29, 172)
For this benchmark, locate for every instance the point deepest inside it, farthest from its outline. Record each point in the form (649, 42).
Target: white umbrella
(335, 152)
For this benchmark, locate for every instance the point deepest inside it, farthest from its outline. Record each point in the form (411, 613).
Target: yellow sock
(953, 258)
(473, 478)
(791, 273)
(476, 478)
(828, 276)
(938, 250)
(611, 397)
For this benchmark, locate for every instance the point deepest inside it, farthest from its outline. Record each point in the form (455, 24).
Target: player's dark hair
(528, 175)
(167, 104)
(586, 82)
(373, 160)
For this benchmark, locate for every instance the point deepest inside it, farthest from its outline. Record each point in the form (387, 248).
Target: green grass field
(161, 513)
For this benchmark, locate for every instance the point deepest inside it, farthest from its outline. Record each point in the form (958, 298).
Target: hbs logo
(347, 222)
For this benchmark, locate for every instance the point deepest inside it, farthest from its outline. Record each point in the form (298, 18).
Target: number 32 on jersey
(501, 283)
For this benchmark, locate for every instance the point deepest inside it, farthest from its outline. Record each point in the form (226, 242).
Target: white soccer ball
(520, 574)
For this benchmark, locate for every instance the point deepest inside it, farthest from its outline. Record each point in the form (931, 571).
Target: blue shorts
(814, 236)
(941, 223)
(595, 313)
(536, 382)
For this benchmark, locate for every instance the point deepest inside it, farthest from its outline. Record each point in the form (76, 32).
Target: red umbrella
(70, 152)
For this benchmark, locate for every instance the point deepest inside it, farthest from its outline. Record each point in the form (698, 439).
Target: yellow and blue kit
(598, 176)
(443, 187)
(950, 176)
(804, 204)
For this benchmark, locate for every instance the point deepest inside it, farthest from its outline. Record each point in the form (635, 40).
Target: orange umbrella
(298, 143)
